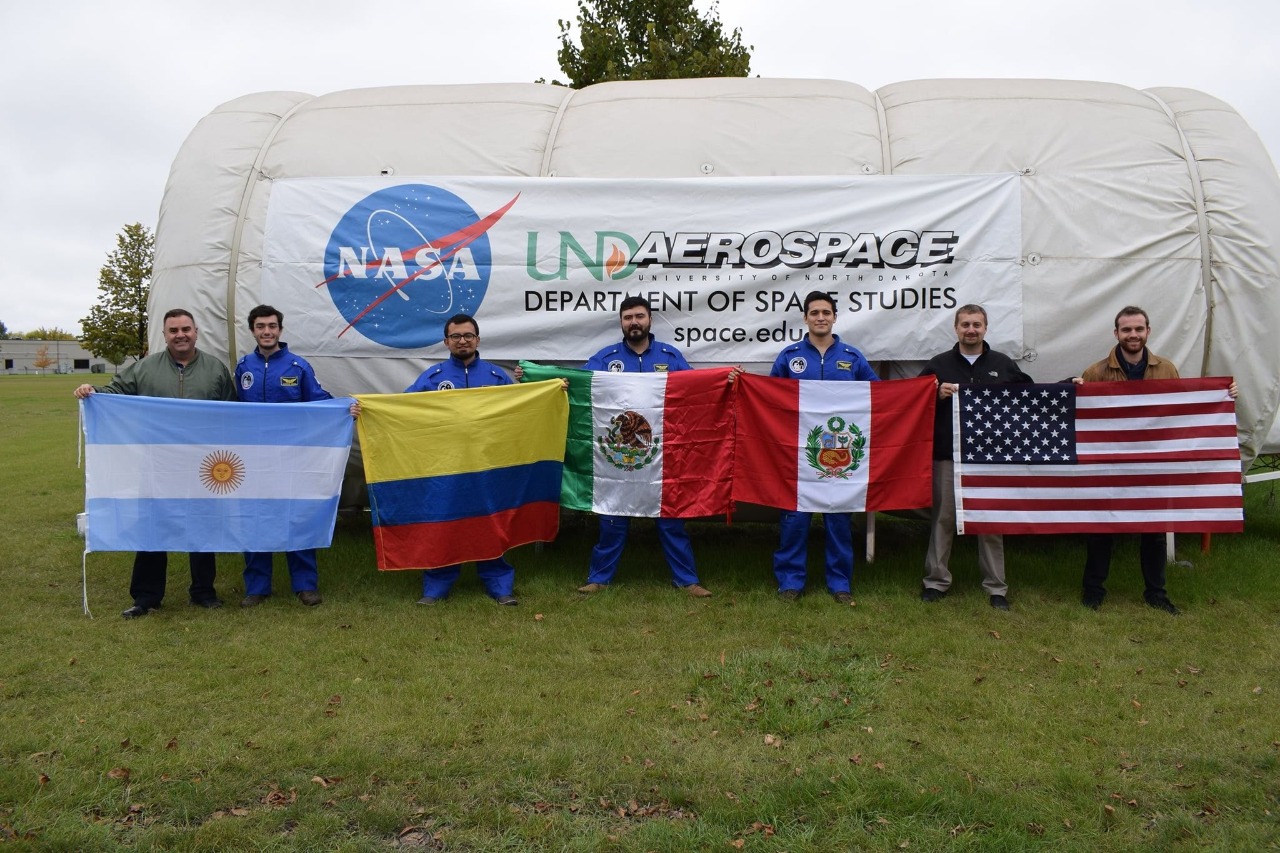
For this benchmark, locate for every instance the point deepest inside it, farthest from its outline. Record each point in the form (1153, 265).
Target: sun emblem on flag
(222, 472)
(835, 449)
(629, 443)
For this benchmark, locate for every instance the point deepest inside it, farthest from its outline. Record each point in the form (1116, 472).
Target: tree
(649, 40)
(54, 334)
(43, 359)
(117, 325)
(4, 331)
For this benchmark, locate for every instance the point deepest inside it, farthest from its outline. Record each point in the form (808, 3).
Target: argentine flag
(195, 475)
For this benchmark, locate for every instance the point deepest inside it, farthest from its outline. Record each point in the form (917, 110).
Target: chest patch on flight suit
(288, 382)
(660, 368)
(615, 366)
(246, 380)
(844, 365)
(798, 364)
(445, 386)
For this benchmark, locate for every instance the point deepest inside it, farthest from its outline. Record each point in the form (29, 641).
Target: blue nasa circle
(395, 236)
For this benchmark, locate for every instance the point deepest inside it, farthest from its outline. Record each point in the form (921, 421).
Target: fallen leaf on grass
(995, 634)
(121, 773)
(278, 799)
(737, 843)
(538, 617)
(1258, 690)
(71, 662)
(1135, 703)
(335, 699)
(879, 765)
(326, 781)
(773, 741)
(125, 744)
(43, 779)
(855, 759)
(172, 744)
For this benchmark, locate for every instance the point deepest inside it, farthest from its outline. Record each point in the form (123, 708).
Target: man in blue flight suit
(272, 374)
(640, 352)
(821, 355)
(465, 369)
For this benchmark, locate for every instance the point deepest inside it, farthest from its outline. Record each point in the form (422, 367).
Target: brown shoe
(592, 587)
(252, 600)
(697, 591)
(310, 597)
(842, 597)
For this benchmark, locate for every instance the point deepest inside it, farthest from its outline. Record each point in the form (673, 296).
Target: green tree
(53, 334)
(649, 40)
(4, 331)
(117, 326)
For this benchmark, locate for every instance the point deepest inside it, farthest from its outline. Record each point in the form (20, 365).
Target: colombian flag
(462, 475)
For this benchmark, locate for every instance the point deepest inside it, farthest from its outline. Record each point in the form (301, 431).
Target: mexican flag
(816, 446)
(646, 444)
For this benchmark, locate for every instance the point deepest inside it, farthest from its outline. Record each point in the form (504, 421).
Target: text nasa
(795, 249)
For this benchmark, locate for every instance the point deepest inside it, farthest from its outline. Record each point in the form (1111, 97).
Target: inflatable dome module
(371, 216)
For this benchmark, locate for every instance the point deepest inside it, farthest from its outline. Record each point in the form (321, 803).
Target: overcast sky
(96, 98)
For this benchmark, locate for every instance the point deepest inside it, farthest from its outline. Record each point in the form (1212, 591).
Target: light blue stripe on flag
(209, 525)
(224, 477)
(122, 419)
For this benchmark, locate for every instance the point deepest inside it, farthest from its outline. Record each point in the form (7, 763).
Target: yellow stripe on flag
(435, 433)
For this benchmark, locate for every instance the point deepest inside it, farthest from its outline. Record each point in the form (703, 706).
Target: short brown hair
(1132, 311)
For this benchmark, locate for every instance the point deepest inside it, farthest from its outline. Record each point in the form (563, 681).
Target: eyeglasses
(465, 336)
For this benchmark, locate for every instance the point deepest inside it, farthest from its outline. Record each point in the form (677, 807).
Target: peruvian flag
(646, 444)
(817, 446)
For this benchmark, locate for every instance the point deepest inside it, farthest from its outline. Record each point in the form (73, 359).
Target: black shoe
(507, 600)
(999, 602)
(789, 594)
(135, 611)
(252, 600)
(930, 594)
(843, 597)
(1163, 603)
(310, 597)
(428, 601)
(1092, 602)
(209, 603)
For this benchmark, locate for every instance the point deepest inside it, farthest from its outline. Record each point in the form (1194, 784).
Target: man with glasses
(465, 369)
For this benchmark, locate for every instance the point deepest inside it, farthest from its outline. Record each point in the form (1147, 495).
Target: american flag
(1151, 456)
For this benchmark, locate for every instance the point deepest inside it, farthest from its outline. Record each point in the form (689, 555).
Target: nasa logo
(404, 259)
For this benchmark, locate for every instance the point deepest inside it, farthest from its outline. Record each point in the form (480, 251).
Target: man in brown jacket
(1130, 359)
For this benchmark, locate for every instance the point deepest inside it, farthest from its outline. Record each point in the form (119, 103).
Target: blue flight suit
(281, 378)
(658, 357)
(498, 576)
(840, 363)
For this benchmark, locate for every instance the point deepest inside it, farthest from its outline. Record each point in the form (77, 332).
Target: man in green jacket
(180, 371)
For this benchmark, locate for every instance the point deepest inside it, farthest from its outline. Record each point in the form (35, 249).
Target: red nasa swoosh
(450, 245)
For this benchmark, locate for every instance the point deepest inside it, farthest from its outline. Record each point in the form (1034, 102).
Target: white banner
(373, 267)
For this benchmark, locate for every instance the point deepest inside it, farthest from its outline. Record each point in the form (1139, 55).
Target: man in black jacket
(970, 361)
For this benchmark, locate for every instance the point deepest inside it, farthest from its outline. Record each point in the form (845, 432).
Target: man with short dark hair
(465, 369)
(640, 352)
(180, 371)
(1130, 360)
(970, 361)
(273, 374)
(823, 356)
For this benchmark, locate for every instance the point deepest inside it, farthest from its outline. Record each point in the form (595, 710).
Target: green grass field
(637, 719)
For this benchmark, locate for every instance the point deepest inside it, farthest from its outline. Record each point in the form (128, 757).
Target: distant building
(49, 357)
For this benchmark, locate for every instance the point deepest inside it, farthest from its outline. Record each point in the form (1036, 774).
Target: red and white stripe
(1153, 456)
